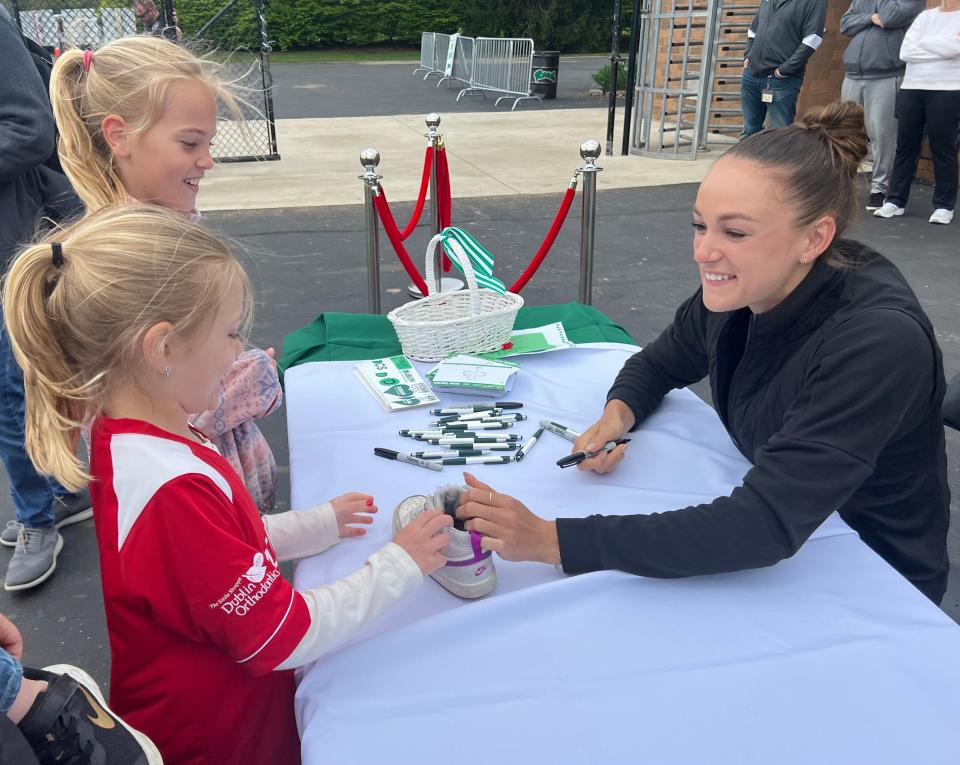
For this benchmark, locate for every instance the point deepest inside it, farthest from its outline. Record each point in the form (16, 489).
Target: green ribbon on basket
(479, 257)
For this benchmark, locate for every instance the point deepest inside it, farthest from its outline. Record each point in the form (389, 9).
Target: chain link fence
(60, 24)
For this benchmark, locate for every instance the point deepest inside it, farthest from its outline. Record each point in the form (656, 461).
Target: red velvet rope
(547, 243)
(443, 197)
(393, 234)
(421, 196)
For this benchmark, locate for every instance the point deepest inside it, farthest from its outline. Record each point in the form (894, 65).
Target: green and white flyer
(395, 383)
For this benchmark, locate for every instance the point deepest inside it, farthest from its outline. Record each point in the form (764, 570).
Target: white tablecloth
(830, 657)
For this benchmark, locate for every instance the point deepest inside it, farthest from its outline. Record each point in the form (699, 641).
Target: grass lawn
(346, 55)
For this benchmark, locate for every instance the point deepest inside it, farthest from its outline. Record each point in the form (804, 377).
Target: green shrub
(602, 77)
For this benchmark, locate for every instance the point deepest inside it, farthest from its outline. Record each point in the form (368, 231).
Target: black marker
(390, 454)
(529, 445)
(577, 457)
(478, 407)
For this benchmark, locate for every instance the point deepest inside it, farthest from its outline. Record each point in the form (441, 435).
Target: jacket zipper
(733, 386)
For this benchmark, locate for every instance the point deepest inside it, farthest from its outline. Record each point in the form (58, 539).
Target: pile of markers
(468, 435)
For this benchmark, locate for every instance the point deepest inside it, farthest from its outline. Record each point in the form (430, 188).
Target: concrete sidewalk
(490, 155)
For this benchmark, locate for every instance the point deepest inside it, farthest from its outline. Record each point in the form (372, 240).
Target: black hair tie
(56, 250)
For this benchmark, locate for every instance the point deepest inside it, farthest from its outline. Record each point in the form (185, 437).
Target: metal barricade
(502, 65)
(441, 46)
(462, 62)
(427, 47)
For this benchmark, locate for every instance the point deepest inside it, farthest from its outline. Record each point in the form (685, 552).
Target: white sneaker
(888, 210)
(469, 572)
(942, 216)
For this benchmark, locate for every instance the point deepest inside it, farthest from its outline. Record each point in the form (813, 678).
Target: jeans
(781, 111)
(939, 112)
(11, 673)
(879, 100)
(32, 493)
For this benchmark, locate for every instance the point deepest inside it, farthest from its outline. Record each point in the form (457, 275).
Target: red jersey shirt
(197, 611)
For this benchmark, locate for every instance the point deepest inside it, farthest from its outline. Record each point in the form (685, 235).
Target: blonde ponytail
(130, 77)
(84, 154)
(76, 322)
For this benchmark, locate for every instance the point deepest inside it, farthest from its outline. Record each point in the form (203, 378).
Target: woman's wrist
(550, 545)
(617, 411)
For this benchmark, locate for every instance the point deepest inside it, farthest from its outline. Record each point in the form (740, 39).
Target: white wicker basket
(473, 320)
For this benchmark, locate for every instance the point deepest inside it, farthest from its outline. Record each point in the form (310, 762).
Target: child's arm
(251, 389)
(339, 610)
(298, 534)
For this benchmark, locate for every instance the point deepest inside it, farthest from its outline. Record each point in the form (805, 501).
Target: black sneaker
(875, 201)
(70, 724)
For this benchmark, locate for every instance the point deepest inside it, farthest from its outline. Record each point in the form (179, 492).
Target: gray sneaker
(34, 558)
(70, 508)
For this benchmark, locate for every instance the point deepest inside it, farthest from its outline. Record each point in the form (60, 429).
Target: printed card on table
(395, 383)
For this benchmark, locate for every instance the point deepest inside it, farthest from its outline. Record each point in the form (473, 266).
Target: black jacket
(834, 396)
(29, 189)
(874, 52)
(784, 34)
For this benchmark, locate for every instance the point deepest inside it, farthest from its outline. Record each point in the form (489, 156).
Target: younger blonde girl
(130, 318)
(137, 119)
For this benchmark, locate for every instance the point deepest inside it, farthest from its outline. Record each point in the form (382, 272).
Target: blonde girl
(137, 119)
(130, 318)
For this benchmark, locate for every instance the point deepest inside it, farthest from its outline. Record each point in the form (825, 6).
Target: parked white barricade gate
(427, 47)
(441, 46)
(502, 65)
(460, 66)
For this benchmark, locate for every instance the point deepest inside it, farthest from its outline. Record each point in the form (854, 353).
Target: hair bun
(840, 125)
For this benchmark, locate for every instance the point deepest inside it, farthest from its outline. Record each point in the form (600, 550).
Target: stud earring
(167, 371)
(803, 261)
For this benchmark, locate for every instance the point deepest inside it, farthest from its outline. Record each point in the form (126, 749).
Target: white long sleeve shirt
(931, 50)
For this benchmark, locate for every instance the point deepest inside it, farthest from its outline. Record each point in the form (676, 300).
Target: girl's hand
(616, 421)
(353, 507)
(423, 539)
(10, 640)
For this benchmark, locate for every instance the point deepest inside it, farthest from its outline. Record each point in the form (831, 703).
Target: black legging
(939, 112)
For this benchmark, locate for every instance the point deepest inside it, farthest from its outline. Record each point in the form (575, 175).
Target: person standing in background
(929, 100)
(782, 37)
(873, 72)
(30, 191)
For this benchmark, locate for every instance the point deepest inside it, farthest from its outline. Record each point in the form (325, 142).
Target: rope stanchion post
(590, 152)
(440, 282)
(370, 159)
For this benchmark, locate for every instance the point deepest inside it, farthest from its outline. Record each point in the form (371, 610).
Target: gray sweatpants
(879, 100)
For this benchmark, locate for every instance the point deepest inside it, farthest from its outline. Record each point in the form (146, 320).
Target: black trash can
(543, 74)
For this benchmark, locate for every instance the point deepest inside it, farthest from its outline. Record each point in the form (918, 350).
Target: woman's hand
(423, 539)
(507, 526)
(10, 639)
(616, 421)
(353, 507)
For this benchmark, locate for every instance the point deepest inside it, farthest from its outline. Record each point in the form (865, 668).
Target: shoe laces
(25, 537)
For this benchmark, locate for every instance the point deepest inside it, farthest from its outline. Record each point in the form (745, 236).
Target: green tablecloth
(336, 336)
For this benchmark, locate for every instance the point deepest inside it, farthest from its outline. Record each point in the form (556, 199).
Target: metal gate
(238, 27)
(674, 77)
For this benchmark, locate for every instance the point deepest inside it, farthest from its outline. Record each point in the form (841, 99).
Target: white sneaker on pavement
(941, 216)
(888, 210)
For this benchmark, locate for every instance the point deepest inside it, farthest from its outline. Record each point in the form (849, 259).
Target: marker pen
(577, 457)
(390, 454)
(486, 413)
(476, 425)
(560, 430)
(474, 443)
(511, 417)
(448, 453)
(525, 449)
(478, 407)
(488, 460)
